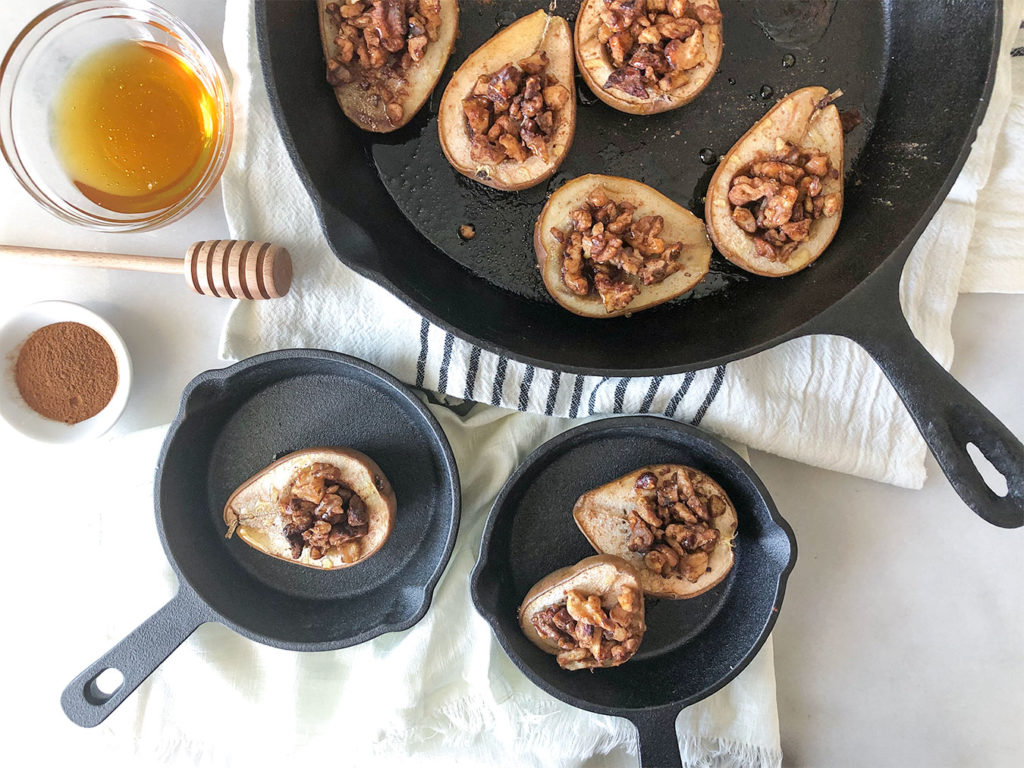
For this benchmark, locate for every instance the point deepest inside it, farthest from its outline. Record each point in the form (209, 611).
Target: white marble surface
(901, 638)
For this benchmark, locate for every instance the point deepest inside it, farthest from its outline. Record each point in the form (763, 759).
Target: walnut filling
(512, 113)
(673, 524)
(322, 514)
(588, 635)
(653, 43)
(607, 250)
(378, 40)
(779, 195)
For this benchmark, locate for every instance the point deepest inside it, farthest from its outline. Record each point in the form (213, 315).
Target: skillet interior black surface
(692, 647)
(391, 205)
(236, 422)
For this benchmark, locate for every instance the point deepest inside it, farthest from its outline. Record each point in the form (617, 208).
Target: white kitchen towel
(440, 694)
(995, 258)
(819, 400)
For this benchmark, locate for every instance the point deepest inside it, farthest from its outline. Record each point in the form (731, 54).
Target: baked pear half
(674, 524)
(609, 246)
(775, 201)
(384, 57)
(322, 507)
(587, 615)
(648, 56)
(508, 115)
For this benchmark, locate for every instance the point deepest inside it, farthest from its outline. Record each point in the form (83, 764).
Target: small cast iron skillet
(231, 424)
(691, 647)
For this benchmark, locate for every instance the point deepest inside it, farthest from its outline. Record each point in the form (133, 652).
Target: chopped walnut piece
(831, 205)
(619, 46)
(628, 80)
(764, 249)
(695, 566)
(544, 622)
(628, 600)
(640, 537)
(778, 208)
(477, 110)
(707, 14)
(535, 63)
(513, 147)
(745, 219)
(615, 294)
(484, 151)
(555, 96)
(647, 481)
(662, 559)
(647, 510)
(797, 231)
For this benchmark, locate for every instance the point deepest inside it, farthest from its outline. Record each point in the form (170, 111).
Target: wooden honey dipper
(233, 269)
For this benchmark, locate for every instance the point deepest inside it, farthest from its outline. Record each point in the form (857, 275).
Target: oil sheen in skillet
(663, 151)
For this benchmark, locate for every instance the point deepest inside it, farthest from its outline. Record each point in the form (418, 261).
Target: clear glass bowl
(36, 66)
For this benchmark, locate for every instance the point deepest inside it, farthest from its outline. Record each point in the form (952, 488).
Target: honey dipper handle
(94, 259)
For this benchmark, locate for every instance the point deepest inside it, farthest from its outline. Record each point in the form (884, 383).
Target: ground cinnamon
(66, 372)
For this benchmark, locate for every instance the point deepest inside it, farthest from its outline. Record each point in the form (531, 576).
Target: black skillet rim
(808, 328)
(395, 386)
(614, 423)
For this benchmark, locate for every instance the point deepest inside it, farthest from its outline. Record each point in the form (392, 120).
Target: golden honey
(135, 127)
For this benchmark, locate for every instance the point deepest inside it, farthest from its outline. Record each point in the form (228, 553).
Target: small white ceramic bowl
(13, 409)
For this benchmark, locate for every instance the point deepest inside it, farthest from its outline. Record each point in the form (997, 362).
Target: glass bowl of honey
(113, 114)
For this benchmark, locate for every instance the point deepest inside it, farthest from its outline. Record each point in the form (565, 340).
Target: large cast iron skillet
(691, 647)
(920, 73)
(232, 423)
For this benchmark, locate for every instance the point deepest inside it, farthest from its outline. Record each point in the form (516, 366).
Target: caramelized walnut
(652, 44)
(609, 250)
(511, 114)
(378, 40)
(680, 542)
(779, 195)
(585, 632)
(319, 513)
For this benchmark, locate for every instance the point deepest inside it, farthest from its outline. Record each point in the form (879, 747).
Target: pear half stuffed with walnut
(775, 201)
(609, 246)
(648, 56)
(587, 615)
(384, 57)
(674, 524)
(323, 508)
(508, 116)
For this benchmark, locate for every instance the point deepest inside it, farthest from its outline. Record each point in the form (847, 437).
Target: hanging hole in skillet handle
(659, 744)
(993, 478)
(949, 417)
(106, 683)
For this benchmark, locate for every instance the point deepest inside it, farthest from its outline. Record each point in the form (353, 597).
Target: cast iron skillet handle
(656, 730)
(136, 658)
(948, 416)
